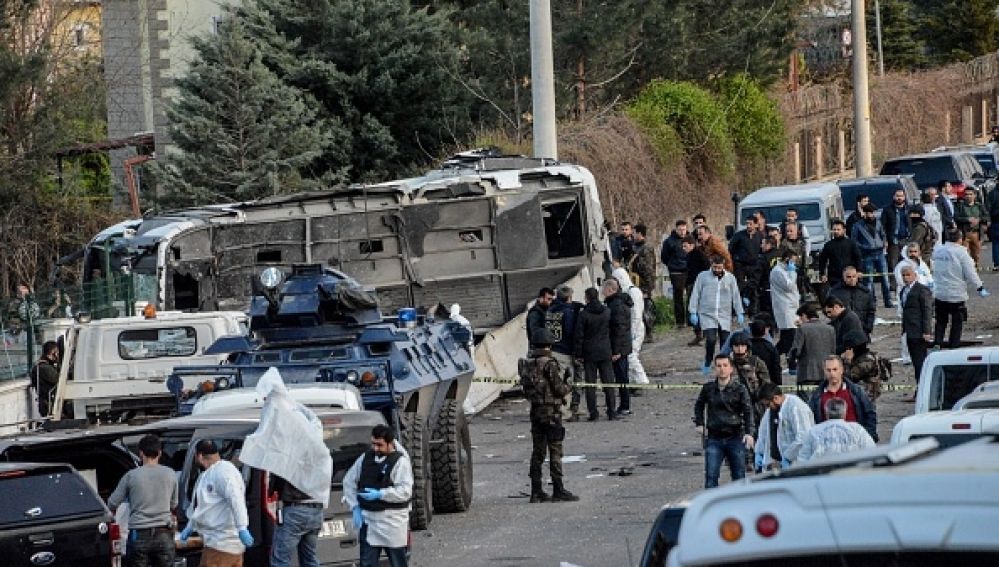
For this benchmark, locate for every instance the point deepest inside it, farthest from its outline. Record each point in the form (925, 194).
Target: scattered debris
(574, 459)
(623, 471)
(597, 475)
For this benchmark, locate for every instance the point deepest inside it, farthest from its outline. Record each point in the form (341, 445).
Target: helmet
(542, 337)
(739, 338)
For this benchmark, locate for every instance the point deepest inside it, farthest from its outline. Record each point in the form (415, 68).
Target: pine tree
(903, 50)
(958, 31)
(241, 133)
(385, 71)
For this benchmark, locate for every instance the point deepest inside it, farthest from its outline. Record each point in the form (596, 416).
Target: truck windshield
(775, 214)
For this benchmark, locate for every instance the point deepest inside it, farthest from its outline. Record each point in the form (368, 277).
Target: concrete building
(146, 46)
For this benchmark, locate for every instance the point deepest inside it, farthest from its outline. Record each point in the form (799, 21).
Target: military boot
(537, 493)
(560, 494)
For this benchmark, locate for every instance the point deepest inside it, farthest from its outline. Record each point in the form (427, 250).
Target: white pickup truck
(117, 367)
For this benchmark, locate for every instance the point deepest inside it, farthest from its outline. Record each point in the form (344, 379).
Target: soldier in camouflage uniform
(861, 366)
(751, 371)
(545, 387)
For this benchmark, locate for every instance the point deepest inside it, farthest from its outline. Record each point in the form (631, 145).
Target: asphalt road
(657, 446)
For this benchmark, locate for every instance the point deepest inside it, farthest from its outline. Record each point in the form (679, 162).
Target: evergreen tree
(385, 71)
(958, 31)
(902, 48)
(241, 132)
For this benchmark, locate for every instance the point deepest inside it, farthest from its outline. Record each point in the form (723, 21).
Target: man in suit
(917, 317)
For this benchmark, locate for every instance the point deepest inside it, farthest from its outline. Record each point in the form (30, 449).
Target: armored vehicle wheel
(452, 457)
(416, 440)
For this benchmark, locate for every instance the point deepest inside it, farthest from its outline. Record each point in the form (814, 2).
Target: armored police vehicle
(317, 325)
(485, 231)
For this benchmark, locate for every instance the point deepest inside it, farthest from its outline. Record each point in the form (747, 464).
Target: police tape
(786, 387)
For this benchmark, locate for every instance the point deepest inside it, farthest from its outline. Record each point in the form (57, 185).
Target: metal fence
(26, 320)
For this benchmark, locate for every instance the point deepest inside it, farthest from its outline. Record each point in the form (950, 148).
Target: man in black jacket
(856, 297)
(898, 226)
(536, 314)
(697, 262)
(593, 345)
(765, 350)
(857, 214)
(917, 317)
(745, 250)
(860, 409)
(842, 320)
(561, 321)
(838, 253)
(728, 429)
(674, 259)
(620, 305)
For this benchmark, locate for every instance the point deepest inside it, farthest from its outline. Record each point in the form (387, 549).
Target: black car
(107, 453)
(928, 170)
(51, 515)
(880, 188)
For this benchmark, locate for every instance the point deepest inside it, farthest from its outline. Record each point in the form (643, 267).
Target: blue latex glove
(358, 518)
(694, 319)
(186, 532)
(984, 292)
(245, 537)
(740, 318)
(792, 267)
(745, 302)
(371, 494)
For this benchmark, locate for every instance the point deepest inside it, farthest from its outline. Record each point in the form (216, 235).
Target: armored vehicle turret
(318, 325)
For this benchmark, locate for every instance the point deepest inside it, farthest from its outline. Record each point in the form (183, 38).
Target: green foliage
(900, 42)
(664, 313)
(241, 133)
(698, 120)
(958, 31)
(655, 123)
(381, 69)
(754, 121)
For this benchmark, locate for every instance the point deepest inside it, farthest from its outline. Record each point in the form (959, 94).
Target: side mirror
(729, 231)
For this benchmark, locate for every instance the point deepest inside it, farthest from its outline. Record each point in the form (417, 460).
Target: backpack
(884, 367)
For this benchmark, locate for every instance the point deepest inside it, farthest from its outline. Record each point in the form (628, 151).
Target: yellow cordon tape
(786, 387)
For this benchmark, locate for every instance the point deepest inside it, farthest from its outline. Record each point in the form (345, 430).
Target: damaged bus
(484, 231)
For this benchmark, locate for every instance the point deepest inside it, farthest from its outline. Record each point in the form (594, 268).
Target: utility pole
(543, 80)
(861, 99)
(881, 52)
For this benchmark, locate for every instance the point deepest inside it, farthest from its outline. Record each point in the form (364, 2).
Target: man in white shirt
(378, 488)
(953, 272)
(913, 259)
(783, 429)
(218, 509)
(835, 435)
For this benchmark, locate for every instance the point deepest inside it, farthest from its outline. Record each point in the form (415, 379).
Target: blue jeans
(370, 555)
(299, 530)
(875, 263)
(718, 449)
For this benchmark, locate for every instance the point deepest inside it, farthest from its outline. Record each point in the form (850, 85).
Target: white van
(949, 375)
(817, 205)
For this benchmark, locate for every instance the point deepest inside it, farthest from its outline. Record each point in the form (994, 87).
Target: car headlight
(352, 377)
(223, 383)
(271, 277)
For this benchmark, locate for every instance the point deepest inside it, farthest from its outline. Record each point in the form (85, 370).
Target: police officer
(45, 377)
(561, 321)
(378, 487)
(545, 387)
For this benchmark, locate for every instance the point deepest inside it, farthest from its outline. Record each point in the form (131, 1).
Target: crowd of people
(759, 300)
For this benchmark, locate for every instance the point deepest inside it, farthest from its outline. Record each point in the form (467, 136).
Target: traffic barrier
(785, 387)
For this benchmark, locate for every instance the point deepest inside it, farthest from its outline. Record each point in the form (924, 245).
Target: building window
(80, 35)
(216, 22)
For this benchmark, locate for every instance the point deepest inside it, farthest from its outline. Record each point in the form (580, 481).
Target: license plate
(333, 528)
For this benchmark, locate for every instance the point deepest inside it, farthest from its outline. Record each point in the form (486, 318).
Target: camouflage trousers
(576, 368)
(871, 387)
(547, 438)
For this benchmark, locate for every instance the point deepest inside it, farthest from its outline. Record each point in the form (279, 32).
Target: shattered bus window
(564, 229)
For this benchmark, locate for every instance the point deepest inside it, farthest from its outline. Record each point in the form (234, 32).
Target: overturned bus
(483, 231)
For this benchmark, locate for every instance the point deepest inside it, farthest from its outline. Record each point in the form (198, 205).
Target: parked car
(51, 515)
(987, 156)
(928, 170)
(949, 375)
(880, 188)
(817, 205)
(105, 454)
(949, 428)
(915, 505)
